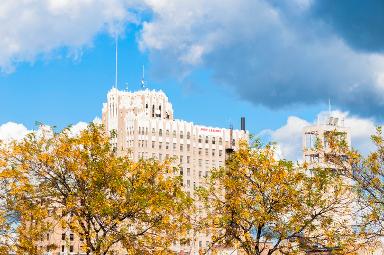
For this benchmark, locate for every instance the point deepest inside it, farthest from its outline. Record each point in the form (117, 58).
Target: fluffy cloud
(12, 131)
(275, 53)
(34, 28)
(360, 25)
(271, 52)
(289, 136)
(77, 128)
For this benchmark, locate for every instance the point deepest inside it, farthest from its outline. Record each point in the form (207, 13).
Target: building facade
(146, 128)
(316, 144)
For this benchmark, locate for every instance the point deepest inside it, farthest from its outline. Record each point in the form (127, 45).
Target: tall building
(146, 128)
(316, 146)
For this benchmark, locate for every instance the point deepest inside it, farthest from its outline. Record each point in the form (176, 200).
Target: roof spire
(329, 106)
(143, 80)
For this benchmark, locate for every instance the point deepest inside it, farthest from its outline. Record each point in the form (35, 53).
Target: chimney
(242, 123)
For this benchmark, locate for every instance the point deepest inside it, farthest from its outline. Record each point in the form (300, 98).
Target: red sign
(210, 130)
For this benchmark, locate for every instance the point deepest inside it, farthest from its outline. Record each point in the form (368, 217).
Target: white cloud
(33, 28)
(12, 131)
(15, 131)
(289, 136)
(271, 52)
(97, 121)
(77, 128)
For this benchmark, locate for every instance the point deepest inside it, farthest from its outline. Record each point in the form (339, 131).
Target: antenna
(143, 80)
(329, 106)
(116, 48)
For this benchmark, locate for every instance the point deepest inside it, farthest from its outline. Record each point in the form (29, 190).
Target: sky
(276, 62)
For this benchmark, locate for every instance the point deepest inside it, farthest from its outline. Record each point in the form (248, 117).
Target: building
(316, 149)
(146, 128)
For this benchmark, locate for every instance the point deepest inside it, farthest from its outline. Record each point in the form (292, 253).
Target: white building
(146, 128)
(316, 149)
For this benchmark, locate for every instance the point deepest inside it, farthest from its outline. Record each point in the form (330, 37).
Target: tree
(57, 180)
(368, 175)
(264, 205)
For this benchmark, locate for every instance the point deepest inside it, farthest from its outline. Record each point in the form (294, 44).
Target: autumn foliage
(264, 205)
(256, 203)
(78, 183)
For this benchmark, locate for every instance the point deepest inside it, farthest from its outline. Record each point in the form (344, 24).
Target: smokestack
(242, 123)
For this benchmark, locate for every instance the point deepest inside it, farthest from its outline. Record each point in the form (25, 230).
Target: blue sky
(62, 91)
(275, 62)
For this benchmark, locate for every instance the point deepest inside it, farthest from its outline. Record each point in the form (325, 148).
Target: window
(153, 131)
(63, 236)
(213, 152)
(213, 140)
(206, 152)
(174, 146)
(160, 144)
(199, 173)
(188, 135)
(160, 132)
(62, 248)
(167, 146)
(181, 159)
(153, 144)
(181, 171)
(199, 138)
(181, 147)
(188, 147)
(188, 183)
(71, 248)
(160, 156)
(200, 162)
(220, 141)
(174, 133)
(188, 159)
(181, 135)
(188, 171)
(200, 151)
(71, 237)
(220, 152)
(206, 139)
